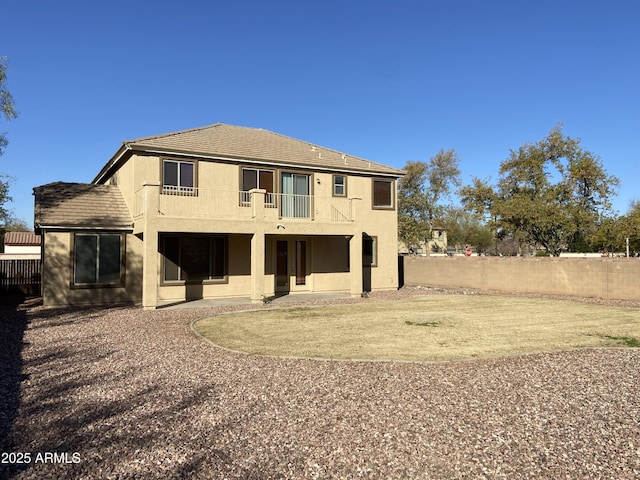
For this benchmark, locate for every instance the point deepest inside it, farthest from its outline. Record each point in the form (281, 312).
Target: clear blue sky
(387, 81)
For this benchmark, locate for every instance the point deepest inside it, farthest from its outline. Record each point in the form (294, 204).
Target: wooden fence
(20, 276)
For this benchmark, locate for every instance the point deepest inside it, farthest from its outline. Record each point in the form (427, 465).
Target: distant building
(437, 245)
(21, 246)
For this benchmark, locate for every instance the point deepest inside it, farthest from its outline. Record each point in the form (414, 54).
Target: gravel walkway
(126, 393)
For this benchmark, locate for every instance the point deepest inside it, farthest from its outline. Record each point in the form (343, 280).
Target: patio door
(296, 202)
(282, 266)
(292, 265)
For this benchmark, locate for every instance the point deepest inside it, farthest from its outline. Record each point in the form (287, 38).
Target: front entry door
(282, 266)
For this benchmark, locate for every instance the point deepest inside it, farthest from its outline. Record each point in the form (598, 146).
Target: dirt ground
(124, 393)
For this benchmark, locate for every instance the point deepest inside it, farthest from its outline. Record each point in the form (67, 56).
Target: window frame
(178, 189)
(74, 261)
(180, 265)
(374, 249)
(392, 203)
(269, 197)
(343, 185)
(296, 205)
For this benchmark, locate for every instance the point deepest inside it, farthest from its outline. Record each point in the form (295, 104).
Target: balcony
(210, 204)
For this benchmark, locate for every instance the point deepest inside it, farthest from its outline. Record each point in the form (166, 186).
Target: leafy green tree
(627, 226)
(465, 227)
(5, 215)
(7, 105)
(413, 219)
(8, 111)
(551, 194)
(12, 224)
(422, 194)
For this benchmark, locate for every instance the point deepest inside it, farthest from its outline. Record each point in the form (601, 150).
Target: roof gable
(252, 144)
(80, 205)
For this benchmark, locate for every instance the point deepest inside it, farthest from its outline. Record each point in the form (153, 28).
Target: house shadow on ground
(13, 323)
(103, 431)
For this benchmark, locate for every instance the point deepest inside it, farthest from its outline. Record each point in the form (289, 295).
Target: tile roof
(70, 205)
(21, 238)
(244, 143)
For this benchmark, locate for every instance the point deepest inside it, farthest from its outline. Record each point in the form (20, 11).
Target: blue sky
(387, 81)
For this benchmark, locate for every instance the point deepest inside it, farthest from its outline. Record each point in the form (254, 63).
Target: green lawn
(428, 328)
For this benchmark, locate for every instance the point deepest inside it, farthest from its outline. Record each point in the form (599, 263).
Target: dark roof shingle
(71, 205)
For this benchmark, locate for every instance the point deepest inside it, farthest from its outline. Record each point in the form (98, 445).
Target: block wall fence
(608, 278)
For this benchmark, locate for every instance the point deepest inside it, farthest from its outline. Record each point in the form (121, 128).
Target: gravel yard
(127, 393)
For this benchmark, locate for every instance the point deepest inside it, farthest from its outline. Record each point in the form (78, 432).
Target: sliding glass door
(296, 201)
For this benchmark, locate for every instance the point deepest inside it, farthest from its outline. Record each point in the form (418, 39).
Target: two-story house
(219, 211)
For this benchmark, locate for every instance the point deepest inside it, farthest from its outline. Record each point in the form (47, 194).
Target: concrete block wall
(609, 278)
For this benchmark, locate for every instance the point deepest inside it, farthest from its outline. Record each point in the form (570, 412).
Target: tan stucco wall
(611, 278)
(189, 214)
(57, 271)
(239, 280)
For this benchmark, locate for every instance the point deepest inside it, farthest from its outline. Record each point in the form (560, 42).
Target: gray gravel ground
(125, 393)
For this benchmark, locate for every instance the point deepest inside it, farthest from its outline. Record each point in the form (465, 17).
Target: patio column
(257, 266)
(150, 248)
(257, 245)
(355, 262)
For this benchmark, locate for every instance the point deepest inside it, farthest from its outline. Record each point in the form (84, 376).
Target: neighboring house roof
(220, 141)
(80, 205)
(21, 239)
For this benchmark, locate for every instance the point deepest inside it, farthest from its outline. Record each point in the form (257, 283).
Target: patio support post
(257, 266)
(150, 250)
(355, 262)
(257, 245)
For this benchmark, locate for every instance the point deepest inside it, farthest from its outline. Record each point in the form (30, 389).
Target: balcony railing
(214, 203)
(269, 199)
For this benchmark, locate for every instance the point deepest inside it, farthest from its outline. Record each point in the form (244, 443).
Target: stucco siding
(58, 270)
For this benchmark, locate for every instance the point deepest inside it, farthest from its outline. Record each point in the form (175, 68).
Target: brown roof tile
(21, 239)
(257, 144)
(71, 205)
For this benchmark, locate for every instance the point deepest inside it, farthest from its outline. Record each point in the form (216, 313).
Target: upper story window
(339, 185)
(178, 177)
(257, 178)
(97, 259)
(383, 194)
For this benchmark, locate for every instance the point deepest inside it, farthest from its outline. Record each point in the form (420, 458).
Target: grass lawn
(429, 328)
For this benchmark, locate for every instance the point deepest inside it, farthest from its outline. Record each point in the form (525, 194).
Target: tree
(8, 111)
(422, 193)
(12, 224)
(628, 226)
(7, 106)
(467, 228)
(550, 194)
